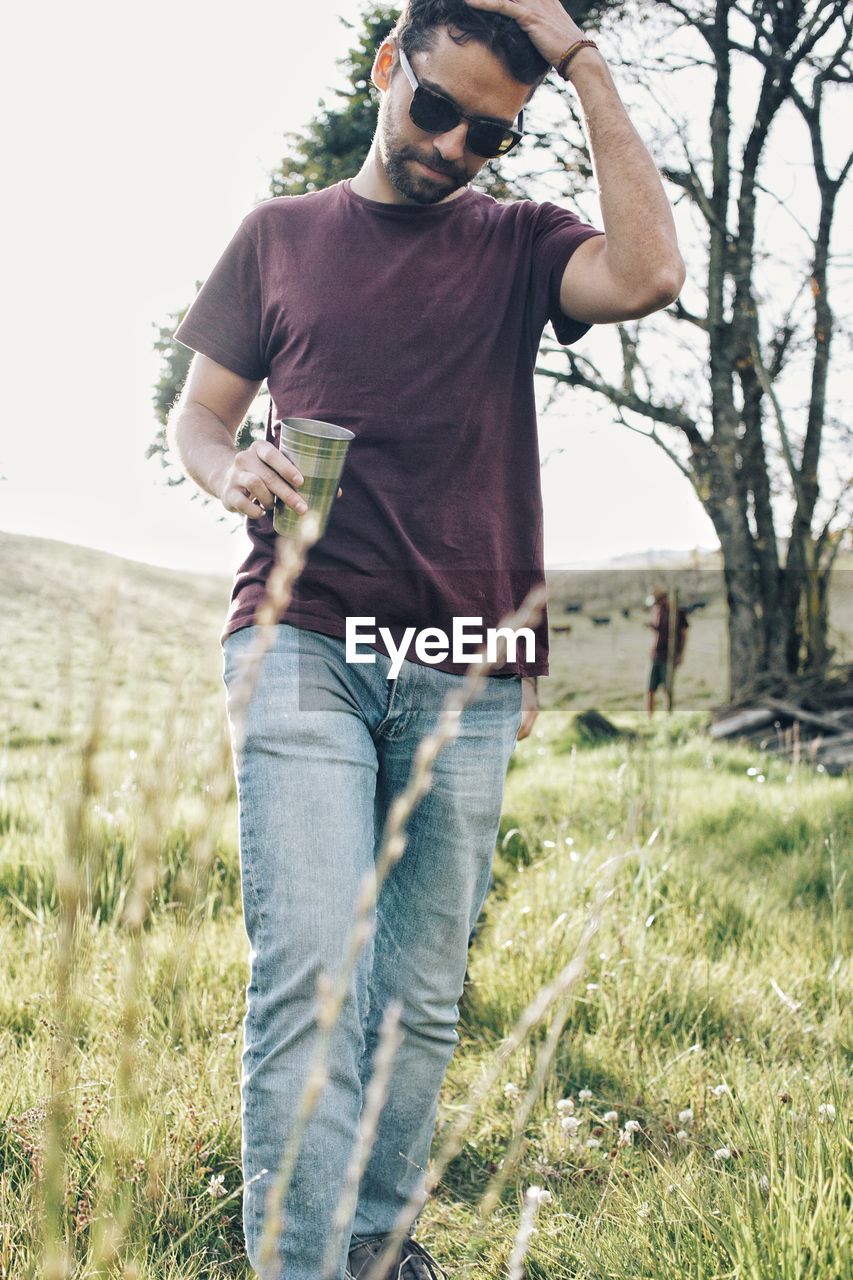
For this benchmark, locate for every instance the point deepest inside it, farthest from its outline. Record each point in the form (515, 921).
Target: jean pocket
(234, 650)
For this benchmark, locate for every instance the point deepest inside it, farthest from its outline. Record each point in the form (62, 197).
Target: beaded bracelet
(563, 61)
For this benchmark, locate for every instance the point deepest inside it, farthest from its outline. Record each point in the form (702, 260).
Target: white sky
(136, 141)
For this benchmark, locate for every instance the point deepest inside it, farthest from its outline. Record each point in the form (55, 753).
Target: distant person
(660, 649)
(406, 305)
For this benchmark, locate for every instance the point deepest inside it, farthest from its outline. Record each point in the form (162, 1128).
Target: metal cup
(319, 450)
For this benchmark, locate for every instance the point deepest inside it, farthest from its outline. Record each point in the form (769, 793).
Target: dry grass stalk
(289, 562)
(529, 1019)
(533, 1198)
(124, 1136)
(72, 889)
(545, 1057)
(390, 1039)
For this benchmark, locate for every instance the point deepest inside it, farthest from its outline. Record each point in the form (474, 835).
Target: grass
(717, 983)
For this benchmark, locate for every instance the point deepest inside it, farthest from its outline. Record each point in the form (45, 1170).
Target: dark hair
(415, 30)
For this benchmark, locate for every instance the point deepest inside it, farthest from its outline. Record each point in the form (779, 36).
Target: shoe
(412, 1261)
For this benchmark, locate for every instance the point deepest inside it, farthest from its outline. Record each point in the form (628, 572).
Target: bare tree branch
(679, 310)
(667, 414)
(661, 444)
(781, 425)
(823, 536)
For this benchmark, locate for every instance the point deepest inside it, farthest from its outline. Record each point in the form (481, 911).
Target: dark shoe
(412, 1262)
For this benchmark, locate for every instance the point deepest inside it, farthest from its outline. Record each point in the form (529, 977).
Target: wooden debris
(810, 721)
(736, 725)
(800, 714)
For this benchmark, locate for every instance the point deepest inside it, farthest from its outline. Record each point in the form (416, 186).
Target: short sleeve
(557, 233)
(224, 320)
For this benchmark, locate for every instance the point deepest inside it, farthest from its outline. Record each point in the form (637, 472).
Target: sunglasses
(434, 113)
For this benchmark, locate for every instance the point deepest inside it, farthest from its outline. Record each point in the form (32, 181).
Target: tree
(735, 359)
(760, 339)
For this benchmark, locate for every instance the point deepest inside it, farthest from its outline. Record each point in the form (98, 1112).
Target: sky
(140, 136)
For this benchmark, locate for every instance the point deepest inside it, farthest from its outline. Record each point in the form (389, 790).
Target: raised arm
(635, 267)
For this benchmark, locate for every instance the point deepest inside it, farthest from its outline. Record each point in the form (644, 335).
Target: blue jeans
(328, 746)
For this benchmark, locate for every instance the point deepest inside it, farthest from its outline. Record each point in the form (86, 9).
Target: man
(408, 307)
(659, 672)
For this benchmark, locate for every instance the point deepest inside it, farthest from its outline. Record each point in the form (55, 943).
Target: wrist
(574, 50)
(587, 64)
(219, 473)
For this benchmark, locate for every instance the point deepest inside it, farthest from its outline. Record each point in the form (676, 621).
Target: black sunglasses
(434, 113)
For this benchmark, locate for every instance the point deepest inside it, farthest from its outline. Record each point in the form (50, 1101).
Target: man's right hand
(203, 427)
(257, 476)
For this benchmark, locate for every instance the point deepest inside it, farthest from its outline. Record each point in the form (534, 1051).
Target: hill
(70, 610)
(64, 603)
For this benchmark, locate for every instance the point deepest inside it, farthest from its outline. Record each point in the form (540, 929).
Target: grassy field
(692, 1118)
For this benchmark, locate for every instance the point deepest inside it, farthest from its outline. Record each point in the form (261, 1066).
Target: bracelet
(561, 65)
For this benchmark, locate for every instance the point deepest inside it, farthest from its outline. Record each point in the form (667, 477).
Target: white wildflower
(686, 1116)
(549, 844)
(585, 1094)
(592, 986)
(565, 1106)
(593, 1142)
(644, 1211)
(511, 1091)
(826, 1111)
(682, 1135)
(570, 1124)
(216, 1186)
(610, 1117)
(720, 1090)
(723, 1153)
(632, 1126)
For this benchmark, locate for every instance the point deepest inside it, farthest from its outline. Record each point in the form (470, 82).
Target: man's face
(426, 168)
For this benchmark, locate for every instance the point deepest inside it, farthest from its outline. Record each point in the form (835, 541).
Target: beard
(399, 160)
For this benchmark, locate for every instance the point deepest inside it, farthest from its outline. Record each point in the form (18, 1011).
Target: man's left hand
(529, 708)
(546, 22)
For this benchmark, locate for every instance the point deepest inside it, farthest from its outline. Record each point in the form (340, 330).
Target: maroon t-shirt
(417, 328)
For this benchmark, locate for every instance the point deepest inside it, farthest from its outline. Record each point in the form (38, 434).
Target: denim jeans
(328, 746)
